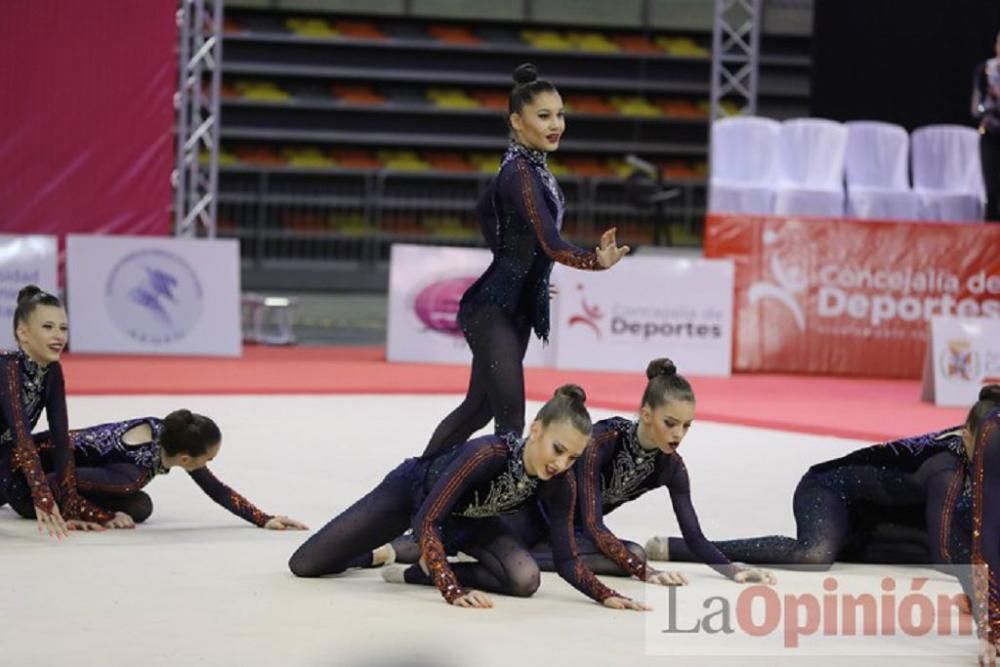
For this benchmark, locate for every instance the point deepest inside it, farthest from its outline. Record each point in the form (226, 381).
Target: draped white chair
(811, 168)
(947, 176)
(877, 172)
(744, 165)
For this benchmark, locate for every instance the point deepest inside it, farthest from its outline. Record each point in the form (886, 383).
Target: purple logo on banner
(437, 305)
(154, 296)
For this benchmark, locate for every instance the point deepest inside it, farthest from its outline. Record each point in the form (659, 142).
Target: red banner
(850, 297)
(86, 123)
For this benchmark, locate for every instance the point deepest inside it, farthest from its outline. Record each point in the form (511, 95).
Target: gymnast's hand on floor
(79, 524)
(987, 654)
(624, 603)
(666, 578)
(121, 521)
(474, 600)
(51, 522)
(609, 252)
(284, 523)
(753, 575)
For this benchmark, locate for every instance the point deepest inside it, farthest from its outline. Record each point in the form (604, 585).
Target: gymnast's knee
(525, 580)
(141, 507)
(818, 559)
(304, 564)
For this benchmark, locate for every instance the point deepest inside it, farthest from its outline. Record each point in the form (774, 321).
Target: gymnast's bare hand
(80, 524)
(615, 602)
(987, 654)
(667, 579)
(284, 523)
(609, 252)
(121, 521)
(474, 600)
(753, 575)
(51, 522)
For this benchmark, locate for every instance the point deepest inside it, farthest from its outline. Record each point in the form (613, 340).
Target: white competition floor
(196, 585)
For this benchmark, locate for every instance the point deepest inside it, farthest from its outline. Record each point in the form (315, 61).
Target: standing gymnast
(115, 461)
(520, 215)
(453, 501)
(31, 381)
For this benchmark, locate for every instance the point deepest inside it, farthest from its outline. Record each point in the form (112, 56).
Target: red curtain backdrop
(86, 115)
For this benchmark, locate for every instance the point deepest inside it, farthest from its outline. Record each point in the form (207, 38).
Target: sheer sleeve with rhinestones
(679, 485)
(521, 191)
(72, 504)
(227, 497)
(23, 455)
(474, 465)
(559, 495)
(588, 478)
(986, 527)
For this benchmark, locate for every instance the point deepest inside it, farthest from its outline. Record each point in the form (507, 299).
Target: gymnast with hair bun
(453, 501)
(115, 461)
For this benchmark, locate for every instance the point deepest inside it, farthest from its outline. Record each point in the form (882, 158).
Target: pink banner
(86, 121)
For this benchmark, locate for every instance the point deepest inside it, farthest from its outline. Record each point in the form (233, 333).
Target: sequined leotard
(113, 473)
(25, 390)
(614, 470)
(452, 501)
(838, 503)
(959, 498)
(520, 215)
(984, 483)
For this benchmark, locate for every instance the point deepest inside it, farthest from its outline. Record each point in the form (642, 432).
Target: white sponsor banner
(604, 320)
(153, 295)
(963, 354)
(426, 284)
(24, 260)
(644, 308)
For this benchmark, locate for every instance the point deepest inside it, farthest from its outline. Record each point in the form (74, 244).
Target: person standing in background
(986, 111)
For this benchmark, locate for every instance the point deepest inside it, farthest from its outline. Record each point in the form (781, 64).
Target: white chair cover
(947, 175)
(744, 165)
(811, 168)
(876, 166)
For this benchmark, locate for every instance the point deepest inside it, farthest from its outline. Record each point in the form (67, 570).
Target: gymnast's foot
(394, 573)
(384, 555)
(657, 548)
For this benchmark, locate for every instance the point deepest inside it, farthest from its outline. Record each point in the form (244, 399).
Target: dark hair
(187, 433)
(29, 298)
(989, 399)
(526, 86)
(567, 404)
(665, 385)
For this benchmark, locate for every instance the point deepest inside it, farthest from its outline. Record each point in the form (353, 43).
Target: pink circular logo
(437, 305)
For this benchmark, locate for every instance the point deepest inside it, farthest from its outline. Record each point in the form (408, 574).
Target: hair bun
(180, 419)
(28, 292)
(525, 73)
(990, 392)
(662, 366)
(574, 392)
